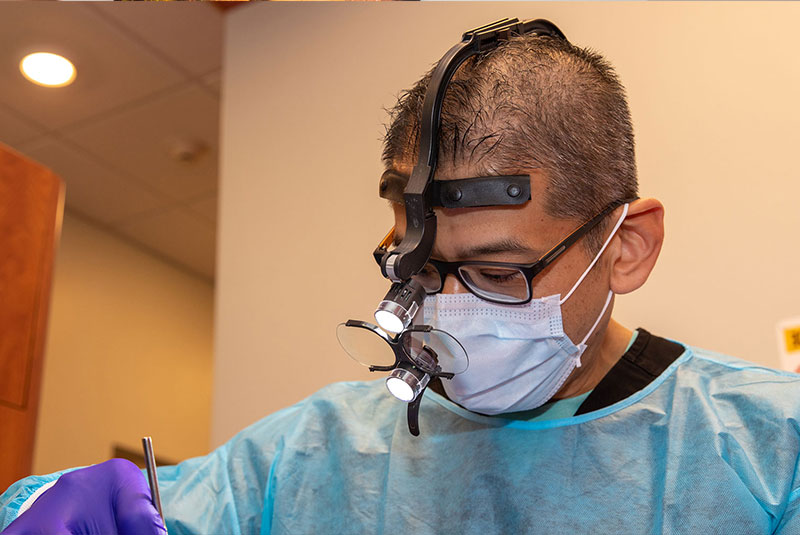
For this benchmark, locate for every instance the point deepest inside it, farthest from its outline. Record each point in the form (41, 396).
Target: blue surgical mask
(519, 355)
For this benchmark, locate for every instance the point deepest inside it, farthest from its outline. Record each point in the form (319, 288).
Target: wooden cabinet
(31, 207)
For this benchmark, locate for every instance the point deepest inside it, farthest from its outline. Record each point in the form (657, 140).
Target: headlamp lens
(406, 383)
(397, 309)
(388, 320)
(400, 389)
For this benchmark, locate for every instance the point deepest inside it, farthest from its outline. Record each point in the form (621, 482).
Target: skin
(623, 267)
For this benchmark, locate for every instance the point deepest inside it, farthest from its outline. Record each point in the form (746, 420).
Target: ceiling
(136, 136)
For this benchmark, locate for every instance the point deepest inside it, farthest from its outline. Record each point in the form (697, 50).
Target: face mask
(519, 355)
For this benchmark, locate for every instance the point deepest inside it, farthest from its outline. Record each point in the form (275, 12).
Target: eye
(504, 284)
(500, 276)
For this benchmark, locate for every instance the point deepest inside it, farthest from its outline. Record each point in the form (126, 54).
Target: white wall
(128, 354)
(713, 90)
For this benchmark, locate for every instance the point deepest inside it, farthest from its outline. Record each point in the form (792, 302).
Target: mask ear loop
(582, 345)
(597, 257)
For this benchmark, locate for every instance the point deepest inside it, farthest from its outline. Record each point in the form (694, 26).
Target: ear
(641, 236)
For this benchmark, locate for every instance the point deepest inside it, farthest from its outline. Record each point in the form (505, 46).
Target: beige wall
(128, 354)
(713, 90)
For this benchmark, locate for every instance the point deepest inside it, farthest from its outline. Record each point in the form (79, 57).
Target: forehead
(462, 230)
(446, 170)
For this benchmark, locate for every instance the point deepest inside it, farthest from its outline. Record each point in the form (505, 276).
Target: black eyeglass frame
(528, 270)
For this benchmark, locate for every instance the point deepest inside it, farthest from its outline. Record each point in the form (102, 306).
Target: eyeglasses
(498, 282)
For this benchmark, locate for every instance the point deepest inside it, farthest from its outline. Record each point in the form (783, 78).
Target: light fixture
(47, 69)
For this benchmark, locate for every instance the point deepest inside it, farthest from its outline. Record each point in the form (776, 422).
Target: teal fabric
(632, 340)
(553, 410)
(710, 447)
(13, 498)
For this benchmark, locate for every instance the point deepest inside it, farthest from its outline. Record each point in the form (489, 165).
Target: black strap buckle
(487, 36)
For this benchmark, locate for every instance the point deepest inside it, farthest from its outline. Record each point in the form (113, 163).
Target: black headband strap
(413, 252)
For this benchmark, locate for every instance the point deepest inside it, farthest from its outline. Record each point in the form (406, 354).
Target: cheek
(584, 306)
(560, 276)
(580, 311)
(578, 317)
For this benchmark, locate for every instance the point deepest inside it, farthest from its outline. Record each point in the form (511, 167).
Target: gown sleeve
(12, 500)
(226, 491)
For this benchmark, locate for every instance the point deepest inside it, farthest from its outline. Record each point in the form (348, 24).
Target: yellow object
(791, 335)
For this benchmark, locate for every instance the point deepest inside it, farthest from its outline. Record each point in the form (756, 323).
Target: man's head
(541, 107)
(532, 103)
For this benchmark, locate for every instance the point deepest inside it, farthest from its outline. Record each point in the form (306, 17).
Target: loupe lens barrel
(402, 302)
(406, 383)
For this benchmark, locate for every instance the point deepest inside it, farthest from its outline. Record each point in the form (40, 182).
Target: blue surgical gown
(711, 446)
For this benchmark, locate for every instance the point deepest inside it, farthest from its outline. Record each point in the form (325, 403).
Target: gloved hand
(105, 499)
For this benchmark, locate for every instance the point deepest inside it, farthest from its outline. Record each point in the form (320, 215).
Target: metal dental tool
(152, 475)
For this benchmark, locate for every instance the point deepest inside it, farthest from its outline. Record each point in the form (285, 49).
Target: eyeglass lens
(503, 284)
(429, 278)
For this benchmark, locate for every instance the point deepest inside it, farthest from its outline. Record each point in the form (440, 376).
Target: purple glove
(104, 499)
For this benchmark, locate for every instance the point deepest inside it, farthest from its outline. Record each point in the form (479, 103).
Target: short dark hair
(532, 103)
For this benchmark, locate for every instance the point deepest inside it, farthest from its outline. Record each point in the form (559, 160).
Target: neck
(597, 360)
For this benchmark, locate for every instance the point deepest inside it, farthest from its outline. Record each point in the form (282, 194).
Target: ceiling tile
(140, 139)
(112, 68)
(92, 189)
(205, 207)
(179, 235)
(189, 34)
(15, 129)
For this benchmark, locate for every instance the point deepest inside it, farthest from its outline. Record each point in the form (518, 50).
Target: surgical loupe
(413, 357)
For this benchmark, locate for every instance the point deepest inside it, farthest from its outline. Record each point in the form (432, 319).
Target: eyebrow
(505, 245)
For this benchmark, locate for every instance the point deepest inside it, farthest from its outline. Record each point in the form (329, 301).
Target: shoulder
(736, 383)
(350, 397)
(726, 366)
(348, 391)
(350, 405)
(337, 405)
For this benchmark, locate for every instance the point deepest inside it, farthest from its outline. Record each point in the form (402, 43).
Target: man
(564, 422)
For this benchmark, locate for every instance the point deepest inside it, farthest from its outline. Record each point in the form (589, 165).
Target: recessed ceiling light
(49, 70)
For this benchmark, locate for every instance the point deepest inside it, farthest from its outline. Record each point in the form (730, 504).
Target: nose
(453, 286)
